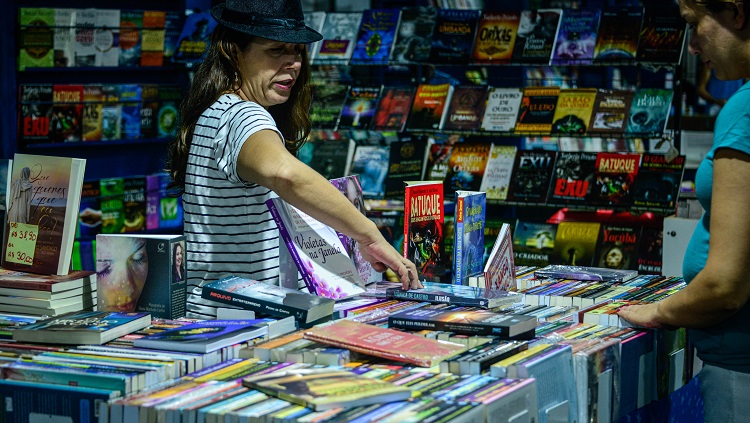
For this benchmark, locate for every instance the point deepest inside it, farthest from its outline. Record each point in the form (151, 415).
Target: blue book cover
(131, 97)
(453, 36)
(31, 401)
(576, 38)
(468, 250)
(193, 41)
(377, 31)
(359, 107)
(371, 164)
(86, 327)
(205, 336)
(649, 111)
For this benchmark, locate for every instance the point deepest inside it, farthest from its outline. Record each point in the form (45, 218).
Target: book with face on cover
(89, 327)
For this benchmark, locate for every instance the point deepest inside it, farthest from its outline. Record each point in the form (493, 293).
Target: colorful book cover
(611, 111)
(87, 327)
(205, 336)
(437, 161)
(383, 342)
(472, 322)
(649, 111)
(172, 29)
(330, 157)
(466, 166)
(596, 370)
(500, 266)
(113, 208)
(406, 163)
(537, 110)
(130, 98)
(573, 111)
(498, 171)
(533, 242)
(575, 243)
(617, 247)
(468, 238)
(536, 35)
(152, 201)
(134, 203)
(455, 295)
(106, 37)
(91, 122)
(424, 228)
(131, 25)
(35, 115)
(167, 118)
(152, 37)
(359, 108)
(377, 31)
(453, 36)
(85, 48)
(171, 211)
(658, 182)
(339, 36)
(619, 30)
(36, 42)
(501, 110)
(662, 35)
(318, 252)
(466, 108)
(393, 109)
(574, 178)
(495, 37)
(414, 36)
(72, 403)
(615, 178)
(576, 37)
(111, 112)
(44, 199)
(193, 41)
(649, 259)
(370, 162)
(430, 101)
(532, 173)
(90, 214)
(65, 37)
(149, 110)
(67, 113)
(327, 104)
(153, 268)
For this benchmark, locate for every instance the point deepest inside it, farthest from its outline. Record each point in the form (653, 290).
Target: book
(85, 49)
(468, 244)
(499, 269)
(88, 327)
(617, 247)
(153, 37)
(658, 182)
(141, 272)
(131, 25)
(585, 273)
(327, 104)
(453, 36)
(537, 110)
(370, 162)
(317, 251)
(455, 295)
(64, 38)
(495, 37)
(332, 158)
(536, 35)
(393, 109)
(383, 342)
(619, 31)
(498, 171)
(268, 299)
(611, 111)
(576, 37)
(662, 35)
(167, 117)
(597, 368)
(35, 114)
(324, 389)
(466, 108)
(406, 162)
(91, 116)
(205, 336)
(424, 228)
(36, 38)
(134, 203)
(649, 259)
(67, 113)
(42, 286)
(533, 171)
(427, 109)
(533, 242)
(28, 401)
(377, 31)
(473, 322)
(111, 113)
(574, 178)
(359, 108)
(649, 111)
(575, 243)
(172, 29)
(194, 38)
(466, 166)
(501, 109)
(414, 35)
(438, 157)
(339, 36)
(573, 111)
(615, 177)
(106, 37)
(44, 198)
(130, 113)
(149, 110)
(314, 20)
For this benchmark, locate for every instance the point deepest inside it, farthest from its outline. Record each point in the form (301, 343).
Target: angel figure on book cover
(20, 198)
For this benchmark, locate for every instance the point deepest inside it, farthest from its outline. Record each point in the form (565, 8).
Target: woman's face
(178, 255)
(269, 71)
(121, 271)
(713, 37)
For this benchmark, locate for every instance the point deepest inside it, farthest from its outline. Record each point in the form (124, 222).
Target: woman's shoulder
(234, 105)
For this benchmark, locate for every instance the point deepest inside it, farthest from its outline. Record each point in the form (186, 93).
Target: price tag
(21, 243)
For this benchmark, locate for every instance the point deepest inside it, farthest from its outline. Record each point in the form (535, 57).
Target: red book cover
(429, 103)
(615, 175)
(386, 343)
(67, 113)
(47, 283)
(393, 109)
(424, 228)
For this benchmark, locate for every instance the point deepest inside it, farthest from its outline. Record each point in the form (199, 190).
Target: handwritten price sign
(21, 243)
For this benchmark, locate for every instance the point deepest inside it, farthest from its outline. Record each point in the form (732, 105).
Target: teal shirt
(726, 344)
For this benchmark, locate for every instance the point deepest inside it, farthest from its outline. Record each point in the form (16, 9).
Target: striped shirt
(228, 227)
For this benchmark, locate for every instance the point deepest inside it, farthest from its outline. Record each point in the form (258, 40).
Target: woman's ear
(740, 17)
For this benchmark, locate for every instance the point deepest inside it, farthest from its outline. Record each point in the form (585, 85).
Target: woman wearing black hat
(245, 113)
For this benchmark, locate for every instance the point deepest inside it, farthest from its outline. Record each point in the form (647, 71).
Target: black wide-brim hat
(280, 20)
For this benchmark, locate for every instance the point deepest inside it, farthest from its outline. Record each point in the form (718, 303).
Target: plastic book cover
(131, 25)
(167, 117)
(611, 111)
(424, 230)
(427, 109)
(67, 113)
(327, 104)
(536, 35)
(650, 251)
(457, 295)
(573, 111)
(619, 31)
(537, 110)
(90, 214)
(205, 336)
(532, 173)
(576, 37)
(466, 166)
(65, 37)
(370, 162)
(193, 41)
(88, 327)
(662, 35)
(468, 238)
(574, 178)
(466, 108)
(617, 247)
(130, 98)
(414, 35)
(36, 38)
(91, 120)
(393, 109)
(615, 177)
(106, 37)
(406, 163)
(377, 31)
(453, 36)
(359, 108)
(35, 114)
(575, 243)
(649, 111)
(498, 171)
(501, 110)
(85, 49)
(339, 36)
(533, 242)
(495, 37)
(472, 322)
(585, 273)
(499, 269)
(658, 182)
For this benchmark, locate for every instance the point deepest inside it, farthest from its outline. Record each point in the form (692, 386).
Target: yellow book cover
(496, 35)
(573, 111)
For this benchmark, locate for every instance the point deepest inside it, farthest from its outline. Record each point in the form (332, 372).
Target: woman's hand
(383, 256)
(643, 315)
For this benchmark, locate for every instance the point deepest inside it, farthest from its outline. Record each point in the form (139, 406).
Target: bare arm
(722, 287)
(264, 160)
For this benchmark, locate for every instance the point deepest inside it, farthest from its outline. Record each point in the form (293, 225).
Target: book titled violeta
(90, 327)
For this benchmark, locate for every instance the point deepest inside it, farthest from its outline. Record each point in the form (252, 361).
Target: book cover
(383, 342)
(597, 369)
(134, 203)
(111, 112)
(89, 327)
(36, 38)
(149, 110)
(427, 109)
(472, 322)
(152, 201)
(611, 111)
(153, 37)
(359, 108)
(314, 20)
(468, 238)
(658, 182)
(393, 109)
(466, 108)
(35, 114)
(28, 401)
(327, 104)
(617, 247)
(532, 173)
(499, 270)
(497, 173)
(113, 207)
(649, 259)
(90, 211)
(576, 37)
(455, 295)
(370, 162)
(377, 31)
(453, 36)
(131, 25)
(67, 113)
(466, 166)
(574, 178)
(44, 200)
(537, 110)
(172, 29)
(536, 35)
(649, 111)
(170, 207)
(142, 273)
(193, 41)
(533, 242)
(130, 114)
(106, 37)
(325, 389)
(414, 35)
(573, 111)
(332, 158)
(339, 36)
(437, 161)
(406, 163)
(575, 243)
(318, 252)
(615, 176)
(91, 121)
(619, 30)
(662, 35)
(424, 228)
(42, 286)
(495, 37)
(85, 48)
(205, 336)
(64, 38)
(167, 118)
(501, 109)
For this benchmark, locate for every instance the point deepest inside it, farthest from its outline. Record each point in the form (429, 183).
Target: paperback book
(453, 36)
(662, 35)
(393, 109)
(376, 35)
(314, 20)
(36, 43)
(424, 228)
(537, 110)
(619, 30)
(332, 158)
(496, 36)
(658, 182)
(537, 32)
(468, 238)
(532, 173)
(91, 119)
(455, 295)
(359, 108)
(501, 110)
(617, 247)
(585, 273)
(195, 37)
(611, 111)
(64, 38)
(414, 36)
(615, 177)
(41, 286)
(35, 115)
(650, 250)
(466, 108)
(339, 36)
(131, 24)
(406, 163)
(573, 111)
(649, 111)
(497, 174)
(370, 163)
(533, 243)
(576, 37)
(472, 322)
(499, 271)
(574, 178)
(327, 104)
(575, 243)
(466, 166)
(67, 113)
(427, 110)
(91, 327)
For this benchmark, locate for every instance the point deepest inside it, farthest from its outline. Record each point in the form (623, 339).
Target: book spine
(409, 324)
(284, 233)
(254, 303)
(437, 298)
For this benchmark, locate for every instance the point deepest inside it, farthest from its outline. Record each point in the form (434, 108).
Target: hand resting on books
(644, 315)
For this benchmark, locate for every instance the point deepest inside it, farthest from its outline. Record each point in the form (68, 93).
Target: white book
(65, 33)
(498, 172)
(106, 35)
(339, 36)
(85, 50)
(502, 108)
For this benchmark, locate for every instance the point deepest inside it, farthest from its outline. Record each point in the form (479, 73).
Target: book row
(73, 113)
(544, 36)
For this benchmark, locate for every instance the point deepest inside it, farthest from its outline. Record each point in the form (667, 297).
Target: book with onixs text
(90, 327)
(424, 228)
(474, 322)
(495, 37)
(468, 238)
(466, 166)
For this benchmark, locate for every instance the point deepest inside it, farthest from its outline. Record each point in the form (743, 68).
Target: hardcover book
(414, 36)
(44, 199)
(658, 182)
(615, 176)
(36, 43)
(573, 111)
(407, 161)
(468, 238)
(370, 162)
(466, 166)
(456, 295)
(574, 178)
(393, 109)
(327, 104)
(662, 35)
(472, 322)
(537, 110)
(91, 121)
(498, 171)
(317, 251)
(533, 243)
(325, 389)
(35, 115)
(90, 327)
(619, 30)
(383, 342)
(499, 271)
(495, 37)
(537, 32)
(427, 110)
(532, 173)
(453, 36)
(424, 228)
(466, 108)
(611, 111)
(67, 113)
(649, 111)
(377, 31)
(576, 37)
(339, 36)
(501, 110)
(575, 243)
(153, 267)
(617, 247)
(359, 108)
